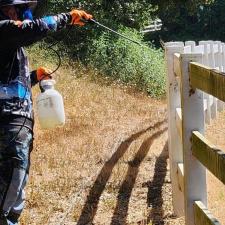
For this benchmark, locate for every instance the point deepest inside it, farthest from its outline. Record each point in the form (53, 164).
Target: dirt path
(108, 165)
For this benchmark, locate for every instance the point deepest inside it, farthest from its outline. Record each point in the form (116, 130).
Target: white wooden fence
(192, 81)
(156, 25)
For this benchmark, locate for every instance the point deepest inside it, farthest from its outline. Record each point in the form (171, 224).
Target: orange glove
(77, 15)
(43, 73)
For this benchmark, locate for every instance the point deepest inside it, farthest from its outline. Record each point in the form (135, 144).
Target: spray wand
(111, 30)
(98, 24)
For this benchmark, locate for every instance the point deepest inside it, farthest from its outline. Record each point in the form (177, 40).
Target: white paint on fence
(180, 174)
(214, 57)
(175, 145)
(194, 172)
(189, 110)
(179, 121)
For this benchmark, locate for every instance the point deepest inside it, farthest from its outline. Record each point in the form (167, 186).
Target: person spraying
(18, 29)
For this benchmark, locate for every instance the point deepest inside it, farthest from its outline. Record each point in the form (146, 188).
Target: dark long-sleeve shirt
(15, 77)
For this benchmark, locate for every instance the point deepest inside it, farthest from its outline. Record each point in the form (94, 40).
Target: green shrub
(142, 66)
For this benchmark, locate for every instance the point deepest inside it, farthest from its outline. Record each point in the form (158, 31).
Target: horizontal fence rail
(209, 155)
(195, 94)
(203, 216)
(208, 80)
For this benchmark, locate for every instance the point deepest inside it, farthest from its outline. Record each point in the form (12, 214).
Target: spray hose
(92, 21)
(111, 30)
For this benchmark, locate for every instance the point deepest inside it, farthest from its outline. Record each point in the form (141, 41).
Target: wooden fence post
(175, 144)
(212, 64)
(220, 105)
(207, 97)
(223, 57)
(192, 44)
(193, 119)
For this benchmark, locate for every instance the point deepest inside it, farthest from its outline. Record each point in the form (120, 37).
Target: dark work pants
(15, 147)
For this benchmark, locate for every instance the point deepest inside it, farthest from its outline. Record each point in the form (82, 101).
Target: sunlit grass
(96, 112)
(100, 114)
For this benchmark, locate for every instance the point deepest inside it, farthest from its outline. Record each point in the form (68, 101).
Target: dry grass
(99, 116)
(99, 157)
(216, 190)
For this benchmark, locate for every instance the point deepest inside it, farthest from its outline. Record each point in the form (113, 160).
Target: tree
(213, 19)
(132, 13)
(181, 19)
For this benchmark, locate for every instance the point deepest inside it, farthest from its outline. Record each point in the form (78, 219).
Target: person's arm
(14, 34)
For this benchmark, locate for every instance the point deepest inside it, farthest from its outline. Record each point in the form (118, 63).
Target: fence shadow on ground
(90, 208)
(123, 198)
(155, 198)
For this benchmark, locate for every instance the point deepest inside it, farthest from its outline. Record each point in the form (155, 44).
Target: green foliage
(133, 13)
(115, 57)
(177, 11)
(182, 20)
(213, 19)
(142, 66)
(40, 55)
(114, 13)
(186, 20)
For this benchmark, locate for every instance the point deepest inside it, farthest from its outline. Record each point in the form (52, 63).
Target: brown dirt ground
(216, 190)
(109, 163)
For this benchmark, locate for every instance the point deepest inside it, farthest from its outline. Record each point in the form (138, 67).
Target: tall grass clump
(142, 66)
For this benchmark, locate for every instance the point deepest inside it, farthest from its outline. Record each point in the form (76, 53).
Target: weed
(141, 66)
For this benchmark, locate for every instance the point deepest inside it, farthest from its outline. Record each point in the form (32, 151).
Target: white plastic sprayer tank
(50, 107)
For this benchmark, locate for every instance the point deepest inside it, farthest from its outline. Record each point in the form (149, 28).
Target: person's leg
(17, 208)
(15, 163)
(3, 220)
(6, 170)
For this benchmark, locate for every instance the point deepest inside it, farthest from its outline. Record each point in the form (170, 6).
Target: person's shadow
(123, 198)
(90, 208)
(155, 198)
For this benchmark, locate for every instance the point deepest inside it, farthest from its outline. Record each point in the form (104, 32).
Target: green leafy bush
(135, 14)
(113, 56)
(142, 66)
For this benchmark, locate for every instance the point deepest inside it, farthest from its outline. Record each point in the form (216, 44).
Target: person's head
(16, 9)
